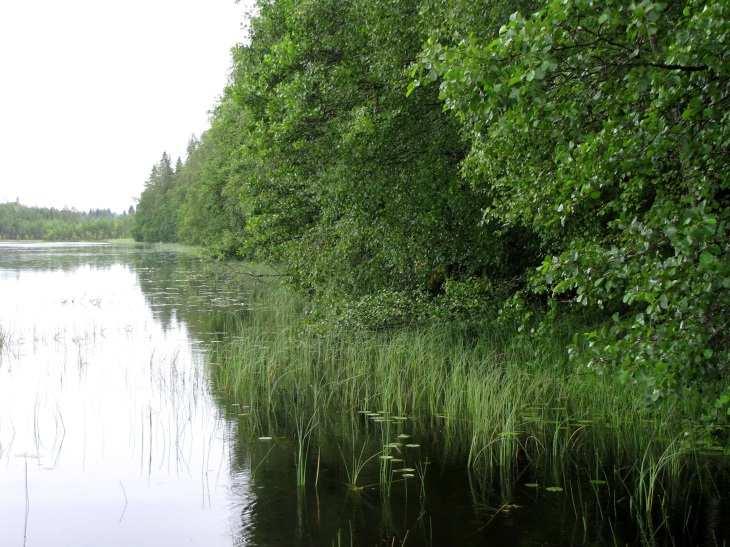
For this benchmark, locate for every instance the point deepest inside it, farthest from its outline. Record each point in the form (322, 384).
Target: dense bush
(602, 128)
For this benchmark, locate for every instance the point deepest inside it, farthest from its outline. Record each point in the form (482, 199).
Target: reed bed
(510, 408)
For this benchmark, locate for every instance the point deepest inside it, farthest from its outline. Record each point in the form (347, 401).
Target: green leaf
(708, 260)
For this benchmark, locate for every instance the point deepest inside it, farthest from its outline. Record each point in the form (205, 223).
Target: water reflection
(108, 433)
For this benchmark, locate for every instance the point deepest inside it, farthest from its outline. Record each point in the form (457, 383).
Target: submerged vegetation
(18, 222)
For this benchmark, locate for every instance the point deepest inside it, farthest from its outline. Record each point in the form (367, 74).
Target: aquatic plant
(500, 403)
(356, 462)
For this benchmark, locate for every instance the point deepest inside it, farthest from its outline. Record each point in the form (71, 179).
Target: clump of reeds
(500, 403)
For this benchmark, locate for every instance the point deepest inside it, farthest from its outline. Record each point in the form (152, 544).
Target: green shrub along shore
(513, 214)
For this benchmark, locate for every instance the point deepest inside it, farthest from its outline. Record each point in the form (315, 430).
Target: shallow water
(111, 434)
(108, 433)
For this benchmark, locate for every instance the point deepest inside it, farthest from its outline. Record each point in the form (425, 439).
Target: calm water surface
(110, 432)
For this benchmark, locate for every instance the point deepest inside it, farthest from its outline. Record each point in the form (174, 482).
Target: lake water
(112, 435)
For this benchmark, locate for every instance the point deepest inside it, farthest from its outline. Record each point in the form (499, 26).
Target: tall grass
(503, 404)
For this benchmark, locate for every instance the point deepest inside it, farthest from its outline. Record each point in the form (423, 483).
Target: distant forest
(550, 163)
(18, 222)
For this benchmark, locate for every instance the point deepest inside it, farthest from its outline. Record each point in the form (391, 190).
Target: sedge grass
(498, 403)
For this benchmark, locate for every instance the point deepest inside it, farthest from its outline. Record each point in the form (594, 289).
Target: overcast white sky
(92, 92)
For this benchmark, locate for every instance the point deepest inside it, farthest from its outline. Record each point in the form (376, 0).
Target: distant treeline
(18, 222)
(548, 163)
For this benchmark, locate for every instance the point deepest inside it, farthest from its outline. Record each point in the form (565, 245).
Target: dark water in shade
(111, 434)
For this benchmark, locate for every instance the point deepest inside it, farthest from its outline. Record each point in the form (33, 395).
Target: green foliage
(602, 128)
(357, 187)
(422, 160)
(18, 222)
(156, 218)
(200, 201)
(212, 213)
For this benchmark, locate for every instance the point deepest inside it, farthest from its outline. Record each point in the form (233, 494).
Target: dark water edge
(452, 506)
(250, 497)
